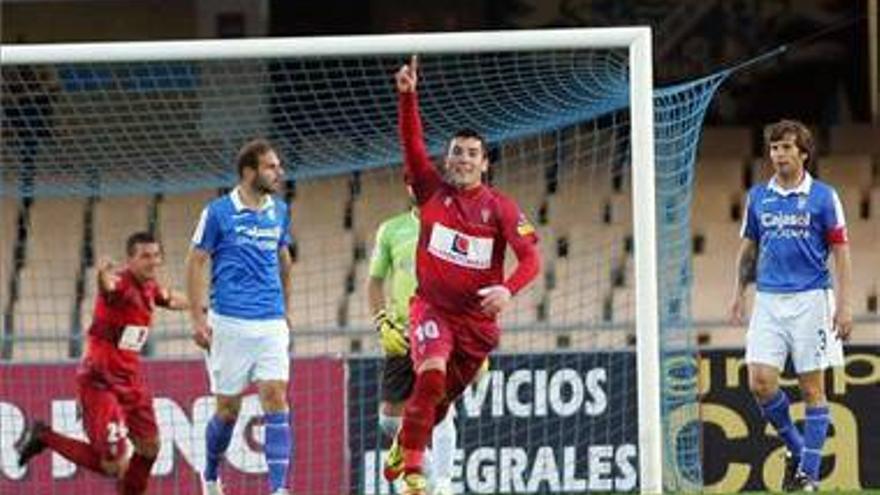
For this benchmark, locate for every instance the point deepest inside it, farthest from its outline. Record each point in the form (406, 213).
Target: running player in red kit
(465, 228)
(115, 402)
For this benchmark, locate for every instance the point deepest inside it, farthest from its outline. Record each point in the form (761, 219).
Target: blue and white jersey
(244, 245)
(794, 230)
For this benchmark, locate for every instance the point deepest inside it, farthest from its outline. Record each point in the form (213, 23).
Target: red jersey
(121, 321)
(464, 233)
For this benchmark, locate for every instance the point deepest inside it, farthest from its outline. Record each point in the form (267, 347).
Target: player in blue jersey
(790, 226)
(245, 236)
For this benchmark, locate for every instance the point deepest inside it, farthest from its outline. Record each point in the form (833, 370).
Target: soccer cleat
(802, 483)
(30, 443)
(393, 467)
(791, 469)
(415, 484)
(281, 491)
(212, 487)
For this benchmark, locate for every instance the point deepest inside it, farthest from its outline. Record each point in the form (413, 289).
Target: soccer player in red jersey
(465, 228)
(115, 402)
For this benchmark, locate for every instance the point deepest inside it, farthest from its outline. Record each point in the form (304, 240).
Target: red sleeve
(521, 236)
(111, 297)
(418, 170)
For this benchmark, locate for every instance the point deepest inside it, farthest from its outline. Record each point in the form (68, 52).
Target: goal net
(104, 140)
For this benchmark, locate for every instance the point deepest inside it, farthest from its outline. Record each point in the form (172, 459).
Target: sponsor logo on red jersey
(461, 244)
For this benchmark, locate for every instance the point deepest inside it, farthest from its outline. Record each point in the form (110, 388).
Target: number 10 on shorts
(427, 330)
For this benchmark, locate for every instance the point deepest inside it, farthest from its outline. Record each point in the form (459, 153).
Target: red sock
(135, 480)
(418, 417)
(77, 452)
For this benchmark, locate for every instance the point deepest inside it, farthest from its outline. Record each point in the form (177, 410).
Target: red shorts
(463, 342)
(113, 407)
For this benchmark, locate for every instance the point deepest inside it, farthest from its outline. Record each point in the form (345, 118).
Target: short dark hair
(468, 133)
(142, 237)
(249, 154)
(802, 136)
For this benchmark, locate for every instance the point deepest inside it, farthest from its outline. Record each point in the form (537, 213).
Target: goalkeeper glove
(391, 336)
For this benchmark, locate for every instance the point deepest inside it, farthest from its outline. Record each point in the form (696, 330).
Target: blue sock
(217, 437)
(278, 448)
(815, 431)
(776, 412)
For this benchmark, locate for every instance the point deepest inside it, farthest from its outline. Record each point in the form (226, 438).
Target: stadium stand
(334, 221)
(44, 309)
(8, 234)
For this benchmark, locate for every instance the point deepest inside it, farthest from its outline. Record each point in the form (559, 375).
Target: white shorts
(799, 324)
(246, 351)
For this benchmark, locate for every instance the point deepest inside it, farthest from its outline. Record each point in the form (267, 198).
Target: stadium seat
(116, 218)
(358, 308)
(48, 279)
(8, 234)
(855, 138)
(55, 231)
(42, 318)
(319, 205)
(729, 143)
(382, 196)
(717, 185)
(178, 217)
(324, 260)
(713, 270)
(850, 175)
(519, 341)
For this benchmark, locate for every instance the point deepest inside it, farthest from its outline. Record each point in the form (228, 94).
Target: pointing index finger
(414, 63)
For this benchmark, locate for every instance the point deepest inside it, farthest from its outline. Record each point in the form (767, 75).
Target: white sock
(389, 424)
(443, 448)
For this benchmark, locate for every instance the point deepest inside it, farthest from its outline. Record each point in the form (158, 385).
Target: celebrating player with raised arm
(790, 226)
(245, 235)
(465, 228)
(393, 261)
(114, 399)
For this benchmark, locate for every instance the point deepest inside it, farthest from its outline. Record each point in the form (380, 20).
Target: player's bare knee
(228, 408)
(762, 387)
(274, 405)
(273, 396)
(148, 448)
(814, 395)
(113, 469)
(812, 385)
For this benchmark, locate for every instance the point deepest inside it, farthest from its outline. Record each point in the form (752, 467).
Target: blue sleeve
(749, 229)
(832, 212)
(284, 240)
(207, 234)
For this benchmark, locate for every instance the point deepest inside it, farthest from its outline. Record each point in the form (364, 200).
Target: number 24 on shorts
(427, 330)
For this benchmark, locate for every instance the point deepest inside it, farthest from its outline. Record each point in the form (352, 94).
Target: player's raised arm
(421, 174)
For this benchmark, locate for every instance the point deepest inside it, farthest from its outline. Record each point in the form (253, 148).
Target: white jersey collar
(802, 188)
(235, 196)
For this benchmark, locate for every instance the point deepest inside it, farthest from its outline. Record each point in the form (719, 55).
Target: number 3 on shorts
(427, 330)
